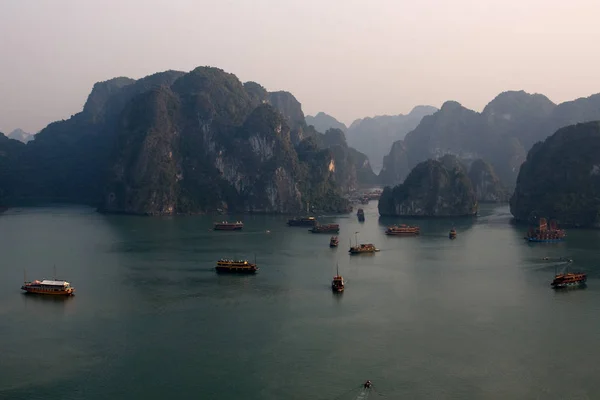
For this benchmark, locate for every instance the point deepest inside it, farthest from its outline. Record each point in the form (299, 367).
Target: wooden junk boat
(337, 284)
(360, 214)
(327, 228)
(228, 226)
(452, 234)
(236, 266)
(334, 241)
(56, 287)
(302, 221)
(402, 230)
(546, 234)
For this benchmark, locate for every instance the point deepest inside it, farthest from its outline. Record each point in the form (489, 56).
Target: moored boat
(546, 234)
(360, 214)
(452, 234)
(569, 280)
(327, 228)
(302, 221)
(228, 226)
(402, 230)
(338, 284)
(236, 266)
(334, 241)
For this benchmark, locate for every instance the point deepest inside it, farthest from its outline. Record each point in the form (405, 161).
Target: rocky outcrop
(434, 188)
(561, 179)
(177, 142)
(486, 183)
(323, 122)
(374, 136)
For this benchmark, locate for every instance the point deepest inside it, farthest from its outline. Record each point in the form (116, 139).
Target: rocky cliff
(561, 178)
(434, 188)
(486, 183)
(177, 142)
(501, 134)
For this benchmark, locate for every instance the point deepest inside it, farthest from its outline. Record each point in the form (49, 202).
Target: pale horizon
(349, 59)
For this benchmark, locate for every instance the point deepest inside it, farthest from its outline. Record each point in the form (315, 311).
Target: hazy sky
(345, 57)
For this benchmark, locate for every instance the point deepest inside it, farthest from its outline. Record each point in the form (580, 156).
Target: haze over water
(425, 318)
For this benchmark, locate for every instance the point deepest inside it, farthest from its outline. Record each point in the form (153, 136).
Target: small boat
(3, 208)
(452, 234)
(228, 226)
(362, 248)
(328, 228)
(302, 221)
(546, 234)
(360, 214)
(56, 287)
(569, 280)
(337, 284)
(334, 241)
(402, 230)
(236, 266)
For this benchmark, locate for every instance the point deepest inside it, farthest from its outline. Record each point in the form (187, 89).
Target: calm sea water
(425, 318)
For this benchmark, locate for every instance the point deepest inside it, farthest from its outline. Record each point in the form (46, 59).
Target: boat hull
(536, 240)
(28, 290)
(573, 285)
(236, 270)
(228, 228)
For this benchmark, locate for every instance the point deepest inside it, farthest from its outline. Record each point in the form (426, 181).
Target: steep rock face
(291, 109)
(486, 183)
(374, 136)
(10, 174)
(561, 178)
(323, 122)
(146, 170)
(352, 168)
(434, 188)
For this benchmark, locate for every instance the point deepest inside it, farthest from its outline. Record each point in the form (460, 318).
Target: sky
(348, 58)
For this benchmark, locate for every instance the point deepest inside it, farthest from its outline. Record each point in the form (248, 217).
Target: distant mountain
(501, 134)
(323, 122)
(21, 135)
(374, 136)
(561, 178)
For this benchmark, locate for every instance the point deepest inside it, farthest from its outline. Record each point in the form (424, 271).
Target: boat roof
(54, 283)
